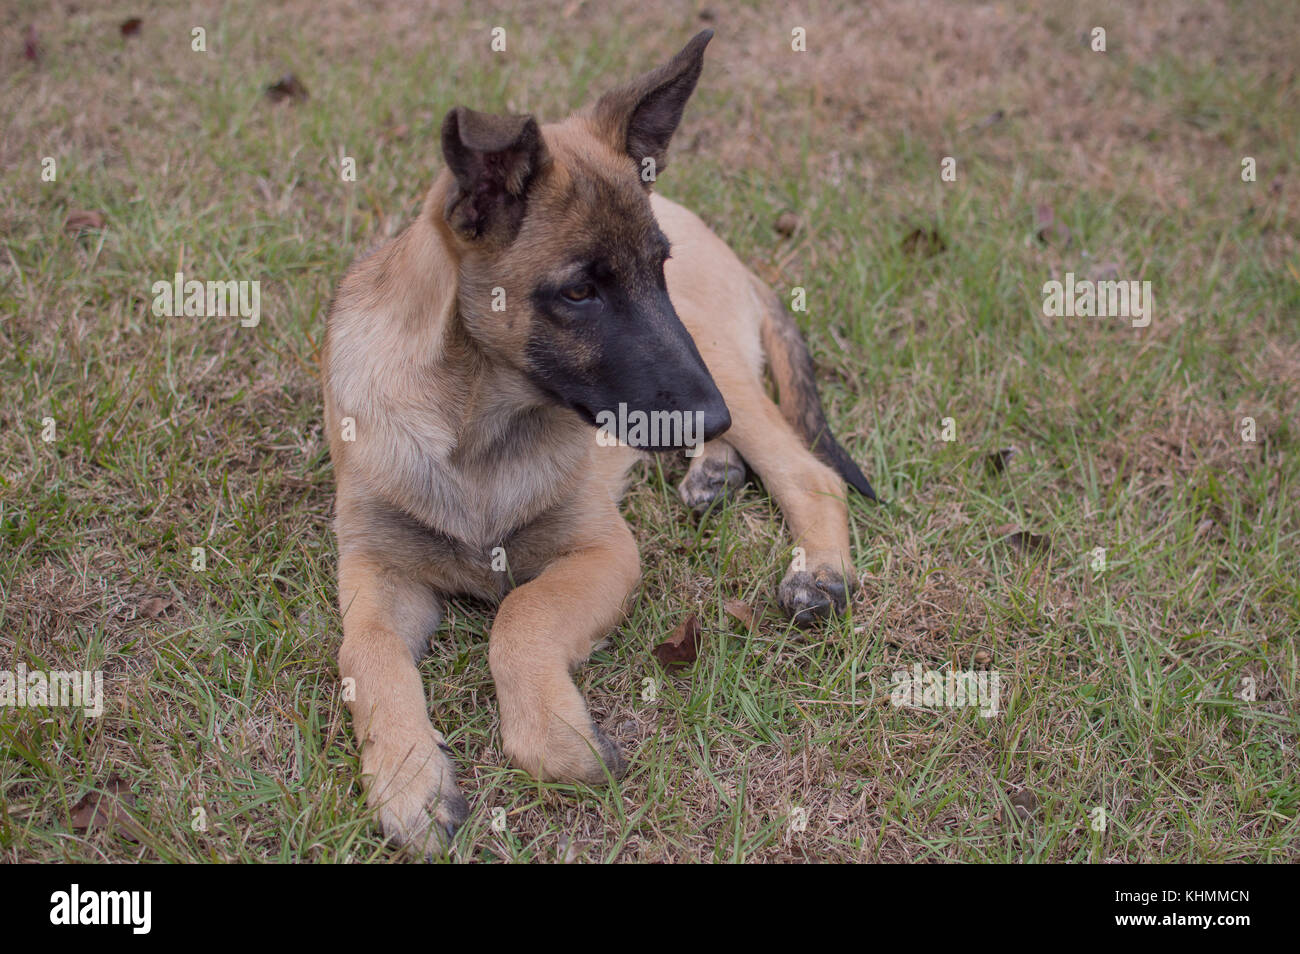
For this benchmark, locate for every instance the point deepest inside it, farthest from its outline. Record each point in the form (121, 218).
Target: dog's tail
(801, 405)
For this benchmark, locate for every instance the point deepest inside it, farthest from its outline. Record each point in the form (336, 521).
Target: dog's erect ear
(494, 158)
(641, 117)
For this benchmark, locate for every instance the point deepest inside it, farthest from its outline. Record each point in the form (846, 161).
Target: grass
(1122, 689)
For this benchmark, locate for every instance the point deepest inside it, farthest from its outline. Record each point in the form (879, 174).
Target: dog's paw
(411, 785)
(809, 595)
(611, 755)
(556, 740)
(711, 480)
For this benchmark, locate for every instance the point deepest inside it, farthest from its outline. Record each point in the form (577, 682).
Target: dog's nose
(711, 409)
(717, 419)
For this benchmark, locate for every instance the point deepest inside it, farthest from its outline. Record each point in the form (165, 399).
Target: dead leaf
(108, 809)
(997, 462)
(786, 223)
(683, 647)
(740, 610)
(31, 45)
(567, 850)
(1046, 229)
(1044, 216)
(1027, 542)
(1024, 803)
(155, 606)
(130, 27)
(924, 243)
(992, 119)
(83, 220)
(1021, 540)
(287, 87)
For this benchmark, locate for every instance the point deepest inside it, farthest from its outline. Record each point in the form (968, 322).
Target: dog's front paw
(411, 785)
(553, 738)
(809, 595)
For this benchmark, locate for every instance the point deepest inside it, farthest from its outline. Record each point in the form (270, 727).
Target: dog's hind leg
(543, 632)
(410, 781)
(716, 474)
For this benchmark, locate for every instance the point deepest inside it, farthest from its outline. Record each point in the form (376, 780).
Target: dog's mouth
(657, 428)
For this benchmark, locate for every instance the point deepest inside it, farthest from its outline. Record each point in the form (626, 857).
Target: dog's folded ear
(641, 117)
(493, 159)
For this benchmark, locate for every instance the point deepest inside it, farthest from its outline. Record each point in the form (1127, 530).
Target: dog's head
(562, 261)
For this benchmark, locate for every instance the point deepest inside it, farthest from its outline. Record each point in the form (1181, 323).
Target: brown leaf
(1024, 803)
(992, 119)
(924, 243)
(31, 45)
(998, 460)
(740, 610)
(287, 87)
(1046, 229)
(1043, 219)
(107, 809)
(83, 220)
(155, 606)
(130, 27)
(1027, 542)
(683, 647)
(786, 223)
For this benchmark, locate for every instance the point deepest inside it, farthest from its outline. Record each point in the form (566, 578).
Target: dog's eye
(578, 293)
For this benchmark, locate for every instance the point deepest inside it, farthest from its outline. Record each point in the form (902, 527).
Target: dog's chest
(499, 511)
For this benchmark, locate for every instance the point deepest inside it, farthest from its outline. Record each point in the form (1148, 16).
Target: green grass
(1121, 689)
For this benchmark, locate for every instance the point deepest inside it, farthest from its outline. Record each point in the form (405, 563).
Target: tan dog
(467, 363)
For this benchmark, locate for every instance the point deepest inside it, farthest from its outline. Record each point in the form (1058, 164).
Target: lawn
(1150, 704)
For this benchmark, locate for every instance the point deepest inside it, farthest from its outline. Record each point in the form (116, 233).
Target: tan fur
(455, 454)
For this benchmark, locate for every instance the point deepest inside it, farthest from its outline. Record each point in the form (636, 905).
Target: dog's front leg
(410, 782)
(543, 631)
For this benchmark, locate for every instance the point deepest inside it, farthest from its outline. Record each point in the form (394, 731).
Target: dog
(467, 365)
